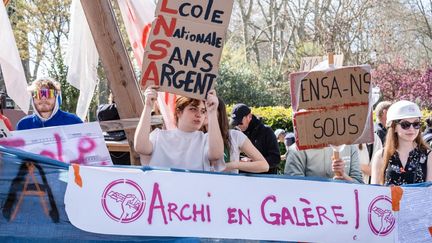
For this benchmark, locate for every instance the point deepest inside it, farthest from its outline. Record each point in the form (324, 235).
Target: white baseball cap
(401, 110)
(279, 132)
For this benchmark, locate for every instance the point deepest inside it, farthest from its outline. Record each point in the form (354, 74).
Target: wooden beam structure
(124, 124)
(116, 63)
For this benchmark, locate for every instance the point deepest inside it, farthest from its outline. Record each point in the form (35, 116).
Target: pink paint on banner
(123, 201)
(381, 219)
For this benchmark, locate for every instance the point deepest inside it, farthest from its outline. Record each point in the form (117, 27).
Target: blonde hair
(44, 82)
(381, 107)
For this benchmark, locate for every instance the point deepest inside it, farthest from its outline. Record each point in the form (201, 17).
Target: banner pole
(330, 55)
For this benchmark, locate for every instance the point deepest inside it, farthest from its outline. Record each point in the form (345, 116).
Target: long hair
(223, 123)
(181, 103)
(392, 144)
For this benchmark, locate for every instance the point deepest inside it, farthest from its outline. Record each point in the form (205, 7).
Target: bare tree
(245, 9)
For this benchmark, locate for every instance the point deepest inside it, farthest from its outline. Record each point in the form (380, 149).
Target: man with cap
(262, 136)
(46, 105)
(381, 116)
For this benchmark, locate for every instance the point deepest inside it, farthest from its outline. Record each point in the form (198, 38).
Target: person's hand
(212, 101)
(150, 95)
(338, 167)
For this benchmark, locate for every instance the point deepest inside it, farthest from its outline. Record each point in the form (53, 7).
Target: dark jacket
(381, 131)
(264, 139)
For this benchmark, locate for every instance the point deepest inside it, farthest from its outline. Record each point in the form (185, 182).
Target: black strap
(369, 147)
(370, 150)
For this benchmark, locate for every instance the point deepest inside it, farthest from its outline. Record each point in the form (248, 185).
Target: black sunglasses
(406, 125)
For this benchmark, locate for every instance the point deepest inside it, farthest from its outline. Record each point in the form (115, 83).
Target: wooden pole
(330, 49)
(330, 55)
(116, 63)
(330, 58)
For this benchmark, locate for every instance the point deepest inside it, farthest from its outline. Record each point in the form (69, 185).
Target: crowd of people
(401, 157)
(206, 140)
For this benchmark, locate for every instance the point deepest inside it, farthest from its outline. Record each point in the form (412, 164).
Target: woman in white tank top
(185, 147)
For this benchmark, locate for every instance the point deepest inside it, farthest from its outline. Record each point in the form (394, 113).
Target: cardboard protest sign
(307, 63)
(332, 106)
(128, 201)
(81, 143)
(321, 89)
(184, 48)
(335, 126)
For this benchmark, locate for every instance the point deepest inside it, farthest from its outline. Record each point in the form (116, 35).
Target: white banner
(81, 143)
(166, 203)
(82, 59)
(137, 16)
(10, 64)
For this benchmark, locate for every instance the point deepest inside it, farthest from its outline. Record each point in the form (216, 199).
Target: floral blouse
(415, 170)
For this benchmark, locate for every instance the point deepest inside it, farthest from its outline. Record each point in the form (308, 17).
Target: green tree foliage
(241, 86)
(276, 117)
(273, 116)
(253, 87)
(58, 71)
(41, 27)
(240, 82)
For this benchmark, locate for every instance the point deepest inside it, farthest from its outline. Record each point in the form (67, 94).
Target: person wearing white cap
(405, 159)
(280, 135)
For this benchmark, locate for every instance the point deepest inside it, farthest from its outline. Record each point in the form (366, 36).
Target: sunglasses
(406, 125)
(47, 93)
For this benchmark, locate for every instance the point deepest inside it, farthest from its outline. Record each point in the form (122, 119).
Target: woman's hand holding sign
(150, 95)
(142, 142)
(216, 146)
(212, 102)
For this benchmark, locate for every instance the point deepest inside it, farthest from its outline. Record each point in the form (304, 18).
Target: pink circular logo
(380, 218)
(123, 201)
